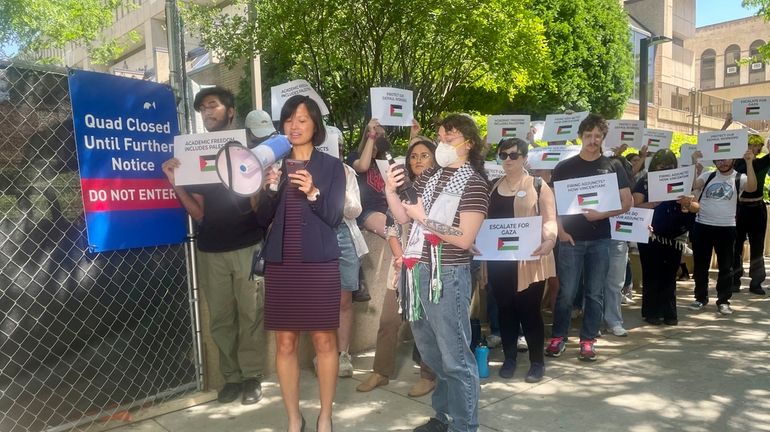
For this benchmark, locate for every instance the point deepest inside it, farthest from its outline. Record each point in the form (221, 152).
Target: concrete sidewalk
(710, 373)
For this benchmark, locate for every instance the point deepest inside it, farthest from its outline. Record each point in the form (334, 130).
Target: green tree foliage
(591, 56)
(437, 48)
(39, 24)
(763, 9)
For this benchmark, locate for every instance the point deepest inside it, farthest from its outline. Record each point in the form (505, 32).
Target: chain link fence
(83, 336)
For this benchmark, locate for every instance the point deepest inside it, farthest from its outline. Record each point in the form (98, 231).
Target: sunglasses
(512, 156)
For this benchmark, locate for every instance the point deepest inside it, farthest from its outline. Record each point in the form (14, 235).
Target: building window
(732, 68)
(708, 62)
(756, 65)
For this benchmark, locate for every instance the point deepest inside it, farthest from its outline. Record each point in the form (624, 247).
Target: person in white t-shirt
(715, 227)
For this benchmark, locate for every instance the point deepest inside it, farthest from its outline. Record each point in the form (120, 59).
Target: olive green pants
(236, 307)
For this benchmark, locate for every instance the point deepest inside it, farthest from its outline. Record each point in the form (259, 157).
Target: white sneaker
(619, 331)
(725, 309)
(626, 299)
(493, 341)
(521, 344)
(696, 305)
(346, 367)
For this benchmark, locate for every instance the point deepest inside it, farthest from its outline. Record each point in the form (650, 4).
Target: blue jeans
(594, 255)
(616, 277)
(443, 337)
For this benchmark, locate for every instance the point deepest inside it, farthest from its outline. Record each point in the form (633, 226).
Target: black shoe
(654, 321)
(757, 291)
(433, 425)
(229, 392)
(508, 368)
(536, 373)
(252, 392)
(670, 321)
(361, 295)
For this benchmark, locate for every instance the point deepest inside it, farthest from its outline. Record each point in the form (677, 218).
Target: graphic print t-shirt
(719, 199)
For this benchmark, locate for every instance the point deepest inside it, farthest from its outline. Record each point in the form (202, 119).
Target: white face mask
(445, 154)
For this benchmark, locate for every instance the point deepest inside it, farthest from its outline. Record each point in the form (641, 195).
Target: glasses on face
(511, 156)
(419, 157)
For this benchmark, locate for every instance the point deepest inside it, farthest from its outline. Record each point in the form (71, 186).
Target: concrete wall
(376, 270)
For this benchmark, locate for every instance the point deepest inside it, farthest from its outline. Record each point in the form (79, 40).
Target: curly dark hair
(591, 122)
(464, 124)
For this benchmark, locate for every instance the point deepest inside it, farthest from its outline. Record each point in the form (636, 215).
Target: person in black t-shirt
(751, 221)
(228, 236)
(583, 239)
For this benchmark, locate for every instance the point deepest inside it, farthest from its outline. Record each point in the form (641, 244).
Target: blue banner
(124, 131)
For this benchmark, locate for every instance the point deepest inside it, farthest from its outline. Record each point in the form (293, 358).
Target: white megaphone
(242, 170)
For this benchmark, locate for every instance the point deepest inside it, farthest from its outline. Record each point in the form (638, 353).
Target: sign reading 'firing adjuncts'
(562, 127)
(731, 144)
(632, 225)
(599, 192)
(668, 185)
(509, 239)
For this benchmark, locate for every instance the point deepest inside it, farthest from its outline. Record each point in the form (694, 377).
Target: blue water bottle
(482, 360)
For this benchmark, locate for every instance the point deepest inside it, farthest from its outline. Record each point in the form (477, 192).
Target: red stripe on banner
(127, 194)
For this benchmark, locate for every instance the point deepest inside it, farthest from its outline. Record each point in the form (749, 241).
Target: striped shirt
(475, 199)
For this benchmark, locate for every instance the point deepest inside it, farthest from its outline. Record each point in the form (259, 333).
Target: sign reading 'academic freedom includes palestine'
(507, 126)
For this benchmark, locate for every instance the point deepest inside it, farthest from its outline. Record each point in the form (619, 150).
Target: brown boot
(372, 381)
(423, 387)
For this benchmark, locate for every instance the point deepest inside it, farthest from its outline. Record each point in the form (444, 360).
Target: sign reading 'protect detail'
(121, 142)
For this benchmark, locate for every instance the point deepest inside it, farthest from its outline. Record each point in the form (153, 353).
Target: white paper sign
(633, 225)
(751, 108)
(331, 144)
(548, 157)
(538, 126)
(494, 171)
(562, 127)
(656, 139)
(668, 185)
(197, 154)
(510, 239)
(392, 106)
(507, 126)
(383, 166)
(717, 145)
(280, 93)
(599, 192)
(628, 132)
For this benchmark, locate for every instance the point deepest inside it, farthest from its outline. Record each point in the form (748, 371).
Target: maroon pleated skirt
(300, 295)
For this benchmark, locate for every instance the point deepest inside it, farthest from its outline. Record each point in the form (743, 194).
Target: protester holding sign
(419, 156)
(518, 285)
(437, 289)
(751, 222)
(303, 214)
(585, 238)
(661, 256)
(228, 234)
(714, 227)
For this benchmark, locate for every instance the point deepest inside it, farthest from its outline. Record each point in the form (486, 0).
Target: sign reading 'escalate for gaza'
(121, 142)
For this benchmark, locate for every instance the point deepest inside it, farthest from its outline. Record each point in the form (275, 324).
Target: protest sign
(331, 144)
(507, 126)
(656, 139)
(751, 108)
(668, 185)
(197, 154)
(494, 171)
(599, 192)
(124, 131)
(281, 93)
(392, 106)
(729, 144)
(548, 157)
(509, 239)
(628, 132)
(562, 127)
(634, 225)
